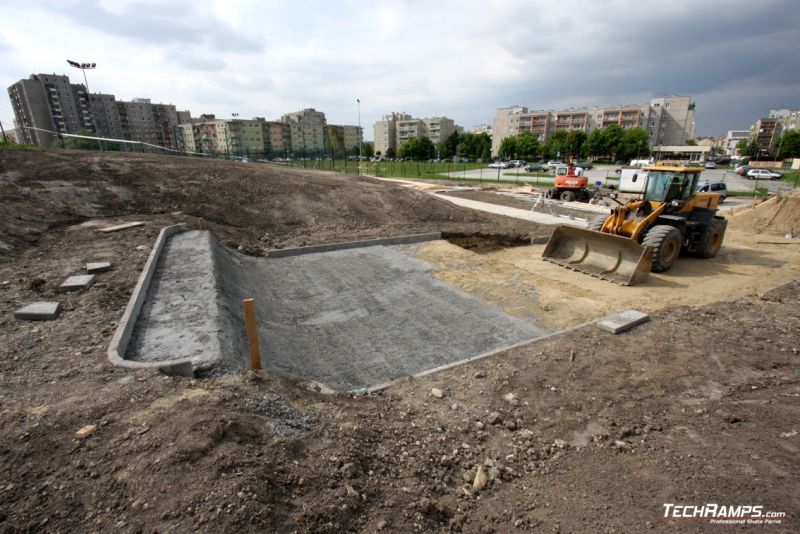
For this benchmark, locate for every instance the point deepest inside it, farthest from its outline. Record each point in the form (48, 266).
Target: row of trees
(785, 146)
(611, 142)
(467, 145)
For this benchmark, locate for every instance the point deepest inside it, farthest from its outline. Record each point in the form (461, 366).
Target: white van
(641, 162)
(632, 180)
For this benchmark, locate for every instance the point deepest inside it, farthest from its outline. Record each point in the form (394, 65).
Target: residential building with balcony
(397, 128)
(307, 131)
(668, 120)
(49, 102)
(765, 132)
(732, 139)
(106, 115)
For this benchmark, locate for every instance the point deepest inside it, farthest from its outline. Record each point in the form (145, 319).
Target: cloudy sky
(461, 59)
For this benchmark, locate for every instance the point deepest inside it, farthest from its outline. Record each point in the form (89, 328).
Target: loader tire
(666, 243)
(567, 196)
(711, 240)
(596, 223)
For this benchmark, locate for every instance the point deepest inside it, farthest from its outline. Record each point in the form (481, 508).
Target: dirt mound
(265, 205)
(777, 216)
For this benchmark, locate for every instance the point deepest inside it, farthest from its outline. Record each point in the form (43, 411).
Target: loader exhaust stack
(610, 257)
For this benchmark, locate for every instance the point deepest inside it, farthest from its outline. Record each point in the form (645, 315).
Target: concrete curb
(400, 240)
(119, 343)
(386, 385)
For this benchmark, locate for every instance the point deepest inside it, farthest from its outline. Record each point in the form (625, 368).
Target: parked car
(741, 170)
(763, 174)
(553, 163)
(714, 187)
(584, 165)
(500, 165)
(711, 165)
(518, 162)
(536, 167)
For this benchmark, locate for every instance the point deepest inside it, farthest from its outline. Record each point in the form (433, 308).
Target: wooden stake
(252, 333)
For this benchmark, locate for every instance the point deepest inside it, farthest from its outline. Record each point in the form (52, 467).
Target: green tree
(748, 147)
(391, 153)
(527, 146)
(691, 142)
(418, 148)
(788, 145)
(473, 145)
(613, 134)
(508, 148)
(450, 146)
(635, 143)
(595, 144)
(576, 139)
(367, 148)
(556, 145)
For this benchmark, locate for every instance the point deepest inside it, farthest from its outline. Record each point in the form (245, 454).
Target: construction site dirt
(582, 431)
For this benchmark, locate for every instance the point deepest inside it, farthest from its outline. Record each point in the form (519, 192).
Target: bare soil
(581, 432)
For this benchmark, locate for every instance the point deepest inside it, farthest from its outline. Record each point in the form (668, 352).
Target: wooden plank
(121, 227)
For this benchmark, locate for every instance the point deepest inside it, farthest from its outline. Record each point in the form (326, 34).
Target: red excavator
(570, 184)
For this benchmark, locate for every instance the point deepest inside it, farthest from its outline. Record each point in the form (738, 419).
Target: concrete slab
(98, 267)
(39, 311)
(350, 319)
(77, 282)
(619, 322)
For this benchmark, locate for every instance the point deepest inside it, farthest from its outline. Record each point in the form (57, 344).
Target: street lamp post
(83, 67)
(360, 135)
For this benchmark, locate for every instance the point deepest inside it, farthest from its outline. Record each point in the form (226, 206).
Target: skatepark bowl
(350, 317)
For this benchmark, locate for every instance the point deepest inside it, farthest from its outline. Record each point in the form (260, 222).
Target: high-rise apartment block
(397, 128)
(767, 130)
(668, 120)
(47, 103)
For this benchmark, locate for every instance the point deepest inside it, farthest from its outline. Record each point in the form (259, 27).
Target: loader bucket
(606, 256)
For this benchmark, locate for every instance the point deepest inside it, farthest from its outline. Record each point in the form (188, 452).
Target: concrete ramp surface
(350, 319)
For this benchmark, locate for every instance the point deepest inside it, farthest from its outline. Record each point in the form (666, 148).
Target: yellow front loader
(646, 234)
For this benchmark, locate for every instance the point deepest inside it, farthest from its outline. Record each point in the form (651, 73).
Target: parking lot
(607, 176)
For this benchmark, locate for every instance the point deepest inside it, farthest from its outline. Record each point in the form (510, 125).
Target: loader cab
(675, 185)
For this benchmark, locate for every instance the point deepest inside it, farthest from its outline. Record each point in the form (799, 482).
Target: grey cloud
(170, 22)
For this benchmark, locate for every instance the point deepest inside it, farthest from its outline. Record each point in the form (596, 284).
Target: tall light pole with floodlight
(83, 67)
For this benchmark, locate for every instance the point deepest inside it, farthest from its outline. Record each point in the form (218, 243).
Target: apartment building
(279, 135)
(385, 132)
(668, 120)
(397, 128)
(765, 132)
(106, 115)
(732, 139)
(353, 136)
(307, 131)
(49, 102)
(184, 138)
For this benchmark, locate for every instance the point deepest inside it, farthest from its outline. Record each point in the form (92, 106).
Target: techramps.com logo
(717, 514)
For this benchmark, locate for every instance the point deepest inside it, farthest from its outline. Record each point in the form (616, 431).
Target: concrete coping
(386, 241)
(122, 336)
